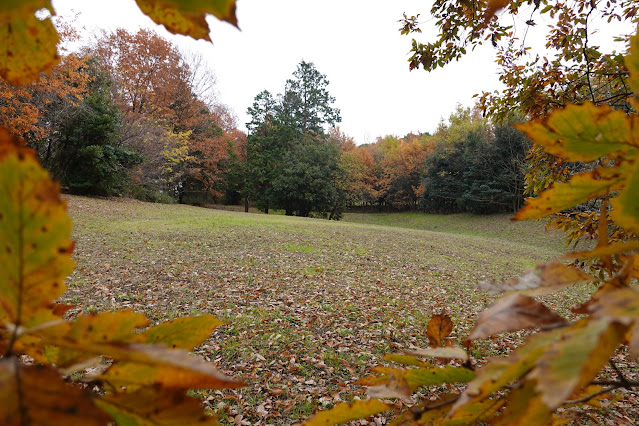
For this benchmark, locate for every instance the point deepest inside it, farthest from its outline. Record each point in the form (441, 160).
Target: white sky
(356, 44)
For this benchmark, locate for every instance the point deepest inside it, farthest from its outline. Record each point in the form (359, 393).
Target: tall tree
(306, 104)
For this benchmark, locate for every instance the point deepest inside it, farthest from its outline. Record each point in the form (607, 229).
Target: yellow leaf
(345, 412)
(575, 360)
(188, 17)
(35, 251)
(28, 43)
(524, 407)
(625, 207)
(154, 406)
(141, 365)
(37, 395)
(106, 327)
(616, 247)
(580, 188)
(500, 372)
(182, 333)
(583, 132)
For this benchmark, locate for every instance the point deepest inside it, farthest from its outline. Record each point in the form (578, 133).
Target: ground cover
(310, 305)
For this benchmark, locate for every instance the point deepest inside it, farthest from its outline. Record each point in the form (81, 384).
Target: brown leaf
(514, 312)
(37, 395)
(155, 406)
(438, 328)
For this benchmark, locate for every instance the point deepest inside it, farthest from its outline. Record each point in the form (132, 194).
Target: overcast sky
(356, 44)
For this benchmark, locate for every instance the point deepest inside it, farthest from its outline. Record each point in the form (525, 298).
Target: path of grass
(310, 305)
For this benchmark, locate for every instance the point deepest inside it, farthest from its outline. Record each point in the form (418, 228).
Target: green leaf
(575, 360)
(188, 17)
(580, 188)
(154, 406)
(28, 43)
(37, 395)
(183, 333)
(35, 249)
(583, 132)
(345, 412)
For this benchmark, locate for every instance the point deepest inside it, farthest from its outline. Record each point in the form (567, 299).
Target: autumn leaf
(405, 360)
(155, 406)
(438, 328)
(620, 305)
(142, 365)
(345, 412)
(524, 407)
(500, 372)
(580, 188)
(182, 333)
(574, 361)
(93, 329)
(625, 209)
(543, 279)
(188, 18)
(584, 132)
(512, 313)
(632, 63)
(448, 353)
(34, 232)
(402, 382)
(616, 247)
(28, 43)
(38, 395)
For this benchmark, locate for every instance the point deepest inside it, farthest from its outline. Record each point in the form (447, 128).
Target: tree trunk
(246, 204)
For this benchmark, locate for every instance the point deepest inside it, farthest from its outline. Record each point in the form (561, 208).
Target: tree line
(130, 114)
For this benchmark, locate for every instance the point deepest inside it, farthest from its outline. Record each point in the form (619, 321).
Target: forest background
(131, 114)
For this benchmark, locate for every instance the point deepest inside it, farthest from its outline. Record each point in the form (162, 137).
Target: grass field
(310, 305)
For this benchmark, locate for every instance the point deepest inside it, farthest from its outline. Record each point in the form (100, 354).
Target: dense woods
(130, 114)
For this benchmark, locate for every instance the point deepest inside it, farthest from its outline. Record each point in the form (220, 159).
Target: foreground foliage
(143, 375)
(559, 366)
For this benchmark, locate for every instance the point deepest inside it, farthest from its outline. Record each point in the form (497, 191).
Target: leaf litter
(302, 326)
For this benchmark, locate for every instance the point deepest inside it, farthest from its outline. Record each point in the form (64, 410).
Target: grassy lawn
(310, 305)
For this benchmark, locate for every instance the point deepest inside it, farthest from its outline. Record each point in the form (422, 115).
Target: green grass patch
(310, 305)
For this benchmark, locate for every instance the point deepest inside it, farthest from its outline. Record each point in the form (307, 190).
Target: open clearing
(310, 305)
